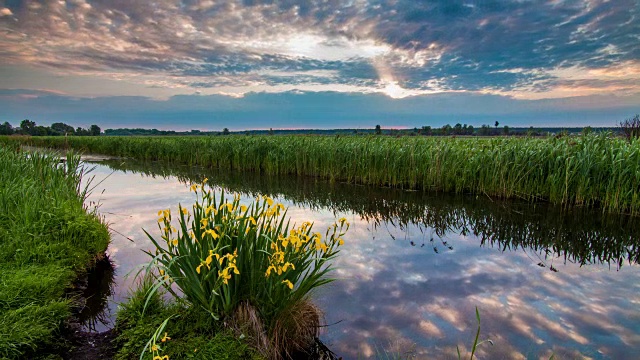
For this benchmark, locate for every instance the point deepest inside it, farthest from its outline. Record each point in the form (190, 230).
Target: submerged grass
(596, 170)
(47, 237)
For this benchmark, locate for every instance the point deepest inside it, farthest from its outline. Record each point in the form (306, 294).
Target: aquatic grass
(593, 170)
(246, 265)
(47, 237)
(476, 340)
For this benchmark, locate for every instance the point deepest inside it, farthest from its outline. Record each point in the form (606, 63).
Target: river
(416, 265)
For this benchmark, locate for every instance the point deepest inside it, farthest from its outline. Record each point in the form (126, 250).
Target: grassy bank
(593, 170)
(47, 238)
(194, 334)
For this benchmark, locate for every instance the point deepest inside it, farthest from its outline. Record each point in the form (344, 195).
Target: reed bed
(596, 170)
(47, 237)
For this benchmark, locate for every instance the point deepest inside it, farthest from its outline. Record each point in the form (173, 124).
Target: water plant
(476, 341)
(247, 266)
(594, 170)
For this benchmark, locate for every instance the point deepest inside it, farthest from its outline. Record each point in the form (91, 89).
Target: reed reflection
(579, 236)
(95, 315)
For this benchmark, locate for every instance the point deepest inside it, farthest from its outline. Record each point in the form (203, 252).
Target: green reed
(596, 170)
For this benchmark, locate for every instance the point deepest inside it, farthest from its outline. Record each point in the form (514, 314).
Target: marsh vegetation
(594, 170)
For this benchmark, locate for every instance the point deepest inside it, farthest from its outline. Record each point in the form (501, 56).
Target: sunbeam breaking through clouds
(517, 51)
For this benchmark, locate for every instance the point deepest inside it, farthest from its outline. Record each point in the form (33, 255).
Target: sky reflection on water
(414, 266)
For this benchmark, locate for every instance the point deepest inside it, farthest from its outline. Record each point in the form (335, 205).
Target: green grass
(194, 333)
(47, 238)
(596, 170)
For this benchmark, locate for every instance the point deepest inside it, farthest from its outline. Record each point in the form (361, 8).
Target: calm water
(415, 266)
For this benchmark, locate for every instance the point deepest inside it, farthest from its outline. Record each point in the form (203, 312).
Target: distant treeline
(28, 127)
(447, 130)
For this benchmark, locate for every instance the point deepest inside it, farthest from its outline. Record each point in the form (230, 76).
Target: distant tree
(41, 131)
(631, 127)
(426, 130)
(470, 130)
(505, 130)
(378, 130)
(457, 129)
(81, 132)
(225, 131)
(27, 126)
(270, 131)
(61, 129)
(446, 130)
(587, 130)
(485, 130)
(94, 130)
(496, 124)
(6, 129)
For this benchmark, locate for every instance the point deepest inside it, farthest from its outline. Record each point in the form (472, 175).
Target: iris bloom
(288, 283)
(165, 338)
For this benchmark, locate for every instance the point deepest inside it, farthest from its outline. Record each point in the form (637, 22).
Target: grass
(595, 170)
(194, 333)
(47, 237)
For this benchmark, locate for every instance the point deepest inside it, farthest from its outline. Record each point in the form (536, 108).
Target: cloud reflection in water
(416, 265)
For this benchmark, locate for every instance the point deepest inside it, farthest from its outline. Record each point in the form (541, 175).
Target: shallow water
(415, 266)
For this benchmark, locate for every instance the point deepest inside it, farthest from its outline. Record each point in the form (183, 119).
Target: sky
(250, 64)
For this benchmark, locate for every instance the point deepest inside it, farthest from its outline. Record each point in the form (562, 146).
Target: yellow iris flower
(271, 267)
(165, 338)
(288, 283)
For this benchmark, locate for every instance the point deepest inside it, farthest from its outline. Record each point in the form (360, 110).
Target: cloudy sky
(205, 64)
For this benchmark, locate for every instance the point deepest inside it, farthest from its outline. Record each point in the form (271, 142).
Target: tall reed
(595, 170)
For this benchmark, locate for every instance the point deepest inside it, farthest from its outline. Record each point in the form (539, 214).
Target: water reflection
(579, 236)
(95, 315)
(416, 265)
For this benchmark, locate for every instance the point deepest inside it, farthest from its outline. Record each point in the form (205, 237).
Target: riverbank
(597, 170)
(48, 239)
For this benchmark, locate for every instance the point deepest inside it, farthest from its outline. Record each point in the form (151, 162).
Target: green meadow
(48, 238)
(594, 170)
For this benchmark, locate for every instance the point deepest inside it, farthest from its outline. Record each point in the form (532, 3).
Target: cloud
(398, 48)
